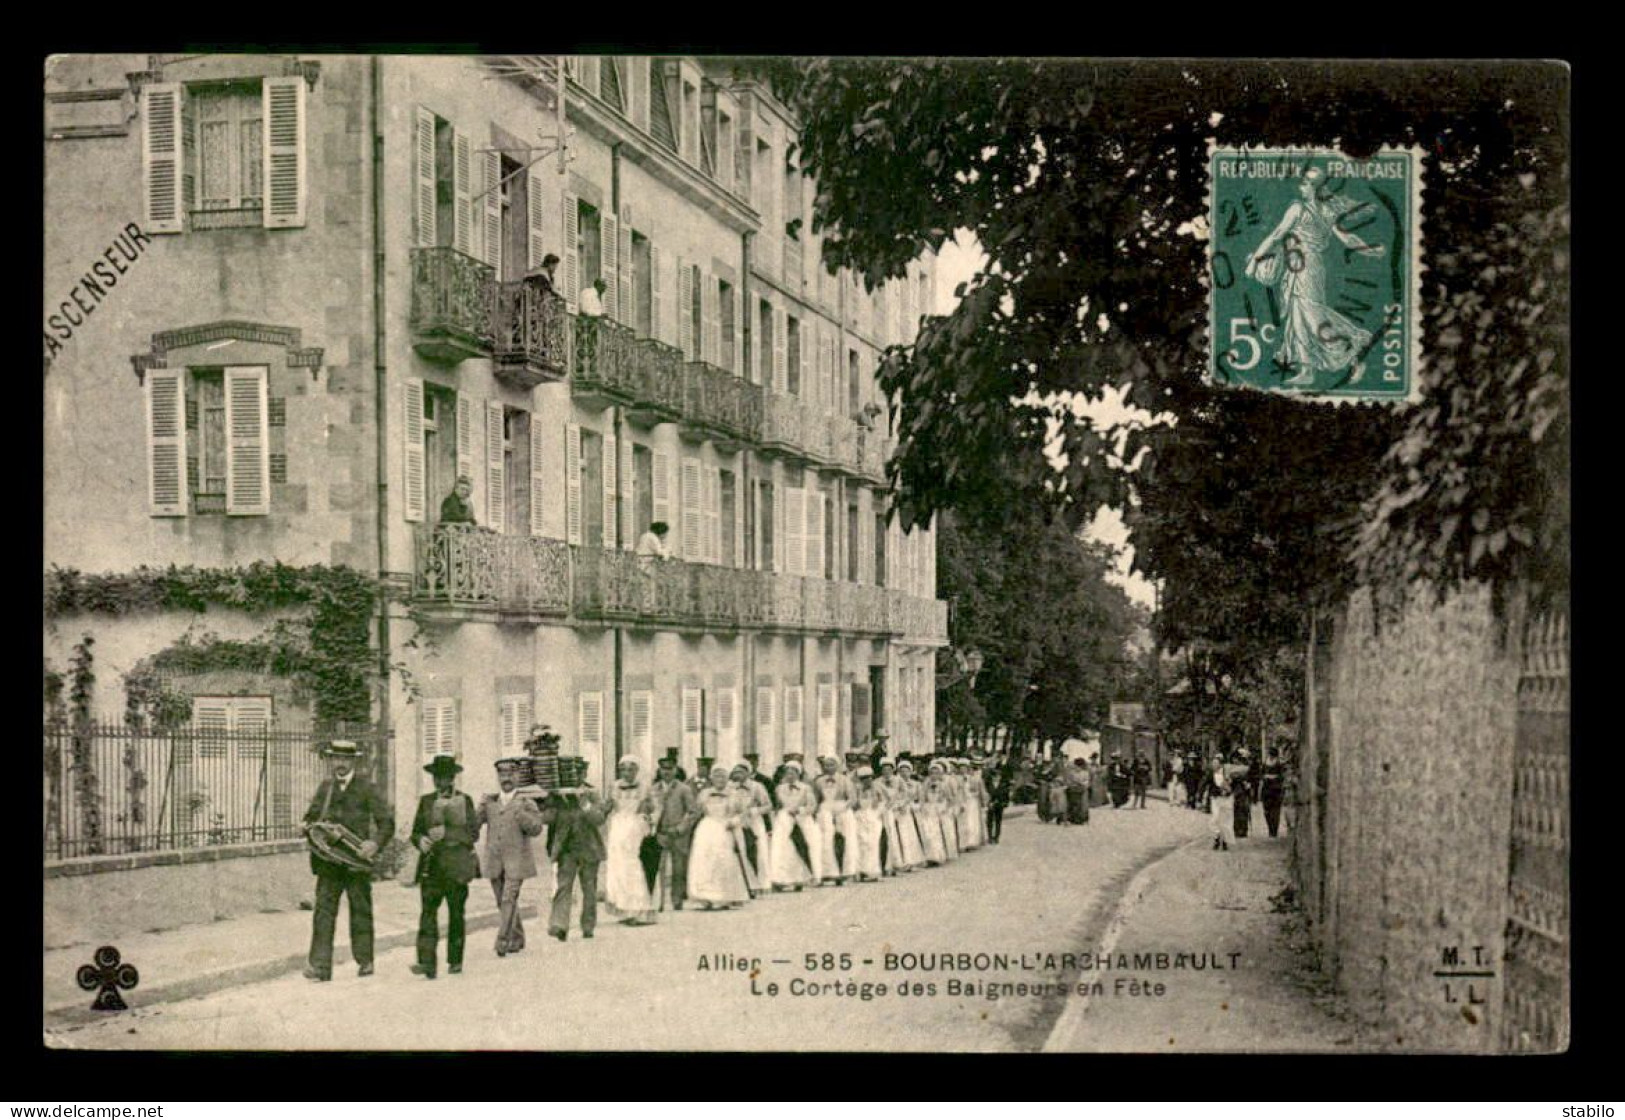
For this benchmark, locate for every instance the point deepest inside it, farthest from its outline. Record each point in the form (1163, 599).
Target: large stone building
(287, 308)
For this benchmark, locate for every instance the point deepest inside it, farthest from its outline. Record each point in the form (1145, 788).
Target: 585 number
(828, 962)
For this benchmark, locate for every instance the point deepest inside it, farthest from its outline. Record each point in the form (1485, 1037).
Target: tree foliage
(1079, 180)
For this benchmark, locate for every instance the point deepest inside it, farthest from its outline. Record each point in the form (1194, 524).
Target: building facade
(290, 301)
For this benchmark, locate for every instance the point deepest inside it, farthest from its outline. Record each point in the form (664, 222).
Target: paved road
(1045, 890)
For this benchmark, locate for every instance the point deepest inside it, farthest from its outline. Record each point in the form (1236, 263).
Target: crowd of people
(718, 840)
(1227, 787)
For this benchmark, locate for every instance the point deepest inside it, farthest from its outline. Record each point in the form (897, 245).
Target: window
(792, 200)
(643, 297)
(792, 356)
(516, 469)
(852, 558)
(208, 441)
(762, 177)
(514, 199)
(729, 521)
(854, 384)
(880, 550)
(513, 723)
(725, 310)
(764, 522)
(694, 310)
(764, 344)
(221, 722)
(589, 244)
(437, 726)
(224, 154)
(643, 496)
(592, 483)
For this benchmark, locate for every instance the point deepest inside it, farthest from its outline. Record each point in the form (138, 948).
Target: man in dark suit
(677, 811)
(754, 761)
(575, 841)
(345, 798)
(443, 831)
(509, 821)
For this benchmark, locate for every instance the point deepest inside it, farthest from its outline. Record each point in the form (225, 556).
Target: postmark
(1314, 259)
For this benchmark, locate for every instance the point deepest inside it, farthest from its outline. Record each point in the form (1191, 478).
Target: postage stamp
(1314, 259)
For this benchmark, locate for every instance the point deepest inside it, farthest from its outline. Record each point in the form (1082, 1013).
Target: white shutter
(781, 496)
(641, 705)
(727, 726)
(465, 451)
(572, 483)
(693, 734)
(248, 464)
(496, 482)
(629, 528)
(711, 320)
(161, 157)
(412, 456)
(491, 210)
(803, 366)
(589, 724)
(538, 479)
(826, 719)
(815, 532)
(611, 461)
(437, 727)
(794, 743)
(535, 217)
(713, 515)
(685, 310)
(741, 366)
(795, 522)
(660, 295)
(283, 114)
(569, 256)
(423, 181)
(462, 181)
(166, 443)
(661, 486)
(739, 521)
(780, 329)
(515, 724)
(843, 719)
(690, 498)
(765, 744)
(628, 302)
(609, 256)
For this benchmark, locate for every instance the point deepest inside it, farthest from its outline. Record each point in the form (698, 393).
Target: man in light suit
(509, 821)
(575, 841)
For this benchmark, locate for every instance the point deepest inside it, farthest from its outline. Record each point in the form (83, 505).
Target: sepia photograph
(605, 552)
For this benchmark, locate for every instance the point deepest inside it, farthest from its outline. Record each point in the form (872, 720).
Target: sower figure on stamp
(509, 822)
(349, 801)
(676, 814)
(443, 831)
(575, 841)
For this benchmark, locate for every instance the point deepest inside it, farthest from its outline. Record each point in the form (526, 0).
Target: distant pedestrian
(1272, 789)
(1176, 778)
(1193, 776)
(1220, 806)
(444, 832)
(1058, 793)
(1077, 791)
(997, 780)
(1117, 780)
(1242, 792)
(1140, 778)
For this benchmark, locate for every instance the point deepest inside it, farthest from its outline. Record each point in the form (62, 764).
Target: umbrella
(649, 855)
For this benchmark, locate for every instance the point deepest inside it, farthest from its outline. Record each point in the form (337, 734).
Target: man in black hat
(347, 799)
(444, 831)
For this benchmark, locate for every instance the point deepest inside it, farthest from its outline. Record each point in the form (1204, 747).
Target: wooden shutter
(423, 180)
(685, 310)
(572, 483)
(815, 532)
(248, 463)
(739, 521)
(629, 505)
(491, 209)
(465, 450)
(843, 718)
(496, 482)
(727, 725)
(794, 740)
(803, 366)
(690, 497)
(589, 724)
(437, 726)
(713, 514)
(535, 217)
(765, 743)
(711, 319)
(611, 461)
(660, 295)
(569, 256)
(166, 443)
(641, 706)
(283, 114)
(826, 719)
(780, 330)
(462, 181)
(412, 455)
(538, 478)
(795, 522)
(628, 301)
(609, 257)
(865, 546)
(781, 497)
(161, 157)
(515, 724)
(693, 732)
(661, 486)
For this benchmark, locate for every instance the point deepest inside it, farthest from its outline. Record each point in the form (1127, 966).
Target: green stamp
(1314, 262)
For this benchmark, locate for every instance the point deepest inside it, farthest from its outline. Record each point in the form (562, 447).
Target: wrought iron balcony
(534, 335)
(720, 407)
(783, 425)
(657, 383)
(465, 566)
(872, 449)
(606, 357)
(452, 298)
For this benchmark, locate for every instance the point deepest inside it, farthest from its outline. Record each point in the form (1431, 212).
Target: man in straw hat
(443, 831)
(347, 799)
(509, 821)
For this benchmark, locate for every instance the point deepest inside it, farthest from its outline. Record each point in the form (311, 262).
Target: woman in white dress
(910, 853)
(716, 875)
(928, 812)
(967, 807)
(631, 819)
(887, 785)
(871, 825)
(947, 795)
(752, 806)
(798, 808)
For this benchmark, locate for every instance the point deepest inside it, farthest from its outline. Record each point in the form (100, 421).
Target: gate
(1535, 1014)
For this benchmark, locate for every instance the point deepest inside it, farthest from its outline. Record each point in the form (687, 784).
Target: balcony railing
(606, 360)
(872, 451)
(533, 334)
(719, 406)
(657, 383)
(467, 566)
(783, 424)
(452, 297)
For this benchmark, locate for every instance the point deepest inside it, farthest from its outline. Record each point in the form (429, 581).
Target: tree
(1080, 180)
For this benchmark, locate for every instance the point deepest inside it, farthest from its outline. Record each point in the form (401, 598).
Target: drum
(337, 844)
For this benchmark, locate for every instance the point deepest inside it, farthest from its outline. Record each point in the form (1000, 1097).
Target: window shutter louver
(569, 254)
(660, 295)
(491, 209)
(803, 366)
(795, 522)
(572, 483)
(609, 256)
(166, 443)
(465, 452)
(423, 181)
(713, 516)
(283, 114)
(629, 312)
(589, 724)
(248, 464)
(629, 528)
(815, 532)
(690, 498)
(514, 723)
(794, 737)
(741, 366)
(538, 478)
(780, 350)
(413, 452)
(781, 497)
(685, 310)
(535, 218)
(641, 705)
(496, 483)
(611, 462)
(739, 524)
(727, 726)
(693, 732)
(462, 179)
(161, 157)
(765, 743)
(661, 486)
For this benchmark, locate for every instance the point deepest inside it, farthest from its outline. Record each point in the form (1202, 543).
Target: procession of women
(733, 834)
